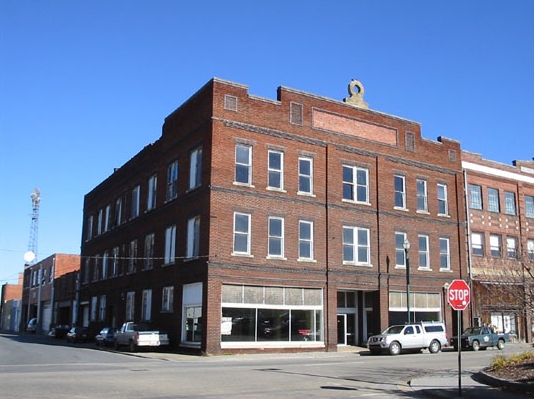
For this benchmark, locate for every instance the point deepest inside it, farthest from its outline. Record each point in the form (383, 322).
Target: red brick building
(259, 224)
(43, 299)
(500, 215)
(10, 302)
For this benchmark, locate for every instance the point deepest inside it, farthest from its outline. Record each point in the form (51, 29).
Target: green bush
(500, 361)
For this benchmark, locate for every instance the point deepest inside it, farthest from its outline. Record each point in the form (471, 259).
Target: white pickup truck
(134, 335)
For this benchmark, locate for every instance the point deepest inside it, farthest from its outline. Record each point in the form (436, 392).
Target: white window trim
(279, 238)
(247, 234)
(309, 177)
(170, 245)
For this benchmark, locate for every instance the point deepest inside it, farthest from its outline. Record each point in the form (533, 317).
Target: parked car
(409, 337)
(59, 331)
(106, 336)
(134, 335)
(32, 325)
(77, 334)
(480, 338)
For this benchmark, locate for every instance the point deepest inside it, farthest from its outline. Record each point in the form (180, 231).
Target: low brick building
(500, 215)
(259, 224)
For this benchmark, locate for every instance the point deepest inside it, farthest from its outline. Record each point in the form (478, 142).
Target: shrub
(501, 361)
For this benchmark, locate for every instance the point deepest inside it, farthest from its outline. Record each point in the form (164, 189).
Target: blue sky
(85, 85)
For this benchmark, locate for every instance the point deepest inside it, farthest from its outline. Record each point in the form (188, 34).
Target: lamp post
(406, 247)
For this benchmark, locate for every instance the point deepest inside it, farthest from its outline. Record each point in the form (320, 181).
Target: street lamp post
(406, 247)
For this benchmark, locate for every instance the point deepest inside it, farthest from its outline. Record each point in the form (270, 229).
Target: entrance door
(342, 322)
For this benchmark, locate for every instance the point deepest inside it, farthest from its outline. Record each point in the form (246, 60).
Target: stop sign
(459, 294)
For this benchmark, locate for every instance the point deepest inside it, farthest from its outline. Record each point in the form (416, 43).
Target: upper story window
(493, 199)
(478, 247)
(105, 257)
(528, 200)
(276, 237)
(151, 192)
(107, 218)
(306, 240)
(118, 211)
(89, 228)
(87, 270)
(442, 198)
(421, 195)
(115, 262)
(305, 175)
(510, 203)
(296, 113)
(275, 169)
(444, 253)
(400, 192)
(531, 249)
(172, 181)
(99, 222)
(511, 248)
(423, 251)
(167, 299)
(355, 184)
(356, 242)
(146, 305)
(242, 233)
(132, 256)
(194, 237)
(401, 260)
(495, 246)
(170, 245)
(135, 202)
(148, 260)
(476, 201)
(243, 164)
(195, 168)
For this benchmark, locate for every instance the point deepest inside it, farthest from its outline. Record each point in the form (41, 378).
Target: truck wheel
(475, 345)
(434, 347)
(501, 344)
(395, 348)
(132, 346)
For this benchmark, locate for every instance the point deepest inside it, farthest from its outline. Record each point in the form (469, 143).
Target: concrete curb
(488, 379)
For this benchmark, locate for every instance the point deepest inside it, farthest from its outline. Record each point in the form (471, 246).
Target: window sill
(276, 257)
(307, 260)
(346, 263)
(278, 190)
(242, 255)
(421, 212)
(399, 208)
(443, 215)
(306, 194)
(356, 202)
(237, 183)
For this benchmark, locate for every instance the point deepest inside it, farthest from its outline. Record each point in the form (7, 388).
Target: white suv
(417, 336)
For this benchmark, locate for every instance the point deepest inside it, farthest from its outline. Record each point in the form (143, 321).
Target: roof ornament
(356, 92)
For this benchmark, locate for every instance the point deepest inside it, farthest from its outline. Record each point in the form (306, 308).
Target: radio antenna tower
(31, 256)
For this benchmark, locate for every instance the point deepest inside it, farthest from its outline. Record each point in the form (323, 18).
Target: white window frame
(99, 222)
(167, 298)
(304, 241)
(194, 237)
(151, 192)
(400, 193)
(354, 233)
(118, 211)
(171, 191)
(115, 262)
(423, 251)
(134, 211)
(146, 305)
(107, 218)
(478, 244)
(105, 257)
(442, 199)
(276, 172)
(195, 168)
(241, 234)
(421, 196)
(148, 261)
(495, 245)
(305, 178)
(355, 186)
(445, 260)
(275, 238)
(130, 305)
(170, 245)
(132, 256)
(242, 164)
(400, 238)
(511, 247)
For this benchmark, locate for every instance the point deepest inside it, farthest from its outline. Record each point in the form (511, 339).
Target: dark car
(77, 334)
(106, 336)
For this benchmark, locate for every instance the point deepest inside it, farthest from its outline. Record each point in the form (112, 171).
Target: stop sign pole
(459, 298)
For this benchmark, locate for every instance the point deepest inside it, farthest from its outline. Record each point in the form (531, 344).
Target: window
(306, 242)
(172, 181)
(495, 246)
(130, 305)
(148, 262)
(399, 192)
(195, 168)
(400, 251)
(276, 237)
(94, 308)
(243, 164)
(231, 102)
(151, 193)
(510, 203)
(192, 321)
(135, 202)
(423, 251)
(107, 218)
(356, 243)
(242, 233)
(275, 170)
(132, 256)
(442, 197)
(421, 195)
(194, 234)
(102, 308)
(167, 299)
(477, 244)
(511, 248)
(531, 249)
(355, 184)
(89, 228)
(87, 270)
(493, 200)
(296, 113)
(475, 197)
(96, 268)
(115, 262)
(104, 266)
(170, 242)
(146, 304)
(444, 253)
(99, 222)
(118, 211)
(305, 175)
(528, 199)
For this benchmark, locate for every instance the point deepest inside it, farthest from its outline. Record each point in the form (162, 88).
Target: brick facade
(302, 129)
